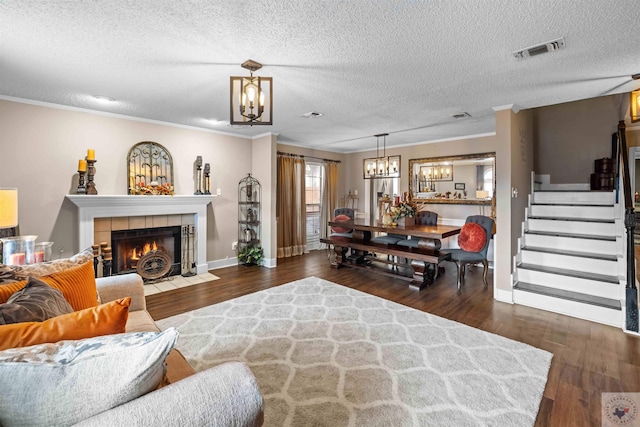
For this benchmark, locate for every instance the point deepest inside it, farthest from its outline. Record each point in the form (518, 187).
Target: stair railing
(630, 224)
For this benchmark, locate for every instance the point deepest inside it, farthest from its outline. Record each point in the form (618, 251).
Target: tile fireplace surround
(91, 208)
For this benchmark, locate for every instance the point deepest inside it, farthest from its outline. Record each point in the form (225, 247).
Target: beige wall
(264, 170)
(39, 152)
(521, 167)
(569, 137)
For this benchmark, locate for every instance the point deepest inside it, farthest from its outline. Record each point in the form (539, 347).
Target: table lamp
(8, 211)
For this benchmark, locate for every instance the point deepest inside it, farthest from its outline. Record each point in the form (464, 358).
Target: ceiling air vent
(539, 49)
(312, 115)
(463, 115)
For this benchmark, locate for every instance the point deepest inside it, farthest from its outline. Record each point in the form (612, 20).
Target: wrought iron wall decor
(150, 169)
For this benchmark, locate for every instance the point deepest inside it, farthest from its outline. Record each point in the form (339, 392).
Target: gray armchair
(422, 218)
(343, 211)
(462, 257)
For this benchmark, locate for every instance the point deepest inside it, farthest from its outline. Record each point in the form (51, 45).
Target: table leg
(338, 256)
(424, 274)
(434, 244)
(361, 235)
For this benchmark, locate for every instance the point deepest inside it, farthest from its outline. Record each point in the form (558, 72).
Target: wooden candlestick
(91, 171)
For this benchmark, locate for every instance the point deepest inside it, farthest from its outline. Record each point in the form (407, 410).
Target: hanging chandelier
(251, 98)
(437, 172)
(381, 166)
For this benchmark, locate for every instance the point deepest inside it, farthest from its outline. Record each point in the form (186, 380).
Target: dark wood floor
(589, 358)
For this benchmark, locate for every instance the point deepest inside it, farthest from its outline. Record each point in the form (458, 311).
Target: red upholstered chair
(474, 239)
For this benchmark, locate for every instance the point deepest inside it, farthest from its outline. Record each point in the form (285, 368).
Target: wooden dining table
(429, 235)
(424, 259)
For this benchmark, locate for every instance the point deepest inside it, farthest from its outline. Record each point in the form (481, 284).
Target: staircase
(571, 258)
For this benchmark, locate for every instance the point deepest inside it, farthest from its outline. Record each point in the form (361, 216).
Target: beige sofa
(225, 395)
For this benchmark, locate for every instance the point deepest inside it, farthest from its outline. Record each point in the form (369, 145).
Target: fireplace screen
(151, 252)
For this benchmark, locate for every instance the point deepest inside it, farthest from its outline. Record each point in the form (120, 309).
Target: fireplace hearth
(151, 252)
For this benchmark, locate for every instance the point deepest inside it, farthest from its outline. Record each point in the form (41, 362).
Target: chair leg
(460, 266)
(485, 267)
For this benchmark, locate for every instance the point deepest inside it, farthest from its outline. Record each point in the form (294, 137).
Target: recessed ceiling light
(462, 115)
(312, 115)
(215, 122)
(103, 99)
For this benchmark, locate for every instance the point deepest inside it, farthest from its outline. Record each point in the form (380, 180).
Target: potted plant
(251, 255)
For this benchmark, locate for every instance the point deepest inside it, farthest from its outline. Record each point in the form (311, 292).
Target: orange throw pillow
(472, 237)
(77, 284)
(105, 319)
(7, 290)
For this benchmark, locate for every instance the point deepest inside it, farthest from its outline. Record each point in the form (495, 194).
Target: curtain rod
(280, 153)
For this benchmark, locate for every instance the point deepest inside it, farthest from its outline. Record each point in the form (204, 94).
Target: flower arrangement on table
(404, 209)
(165, 189)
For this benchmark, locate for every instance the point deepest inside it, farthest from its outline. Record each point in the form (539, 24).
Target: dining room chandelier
(381, 166)
(251, 99)
(441, 172)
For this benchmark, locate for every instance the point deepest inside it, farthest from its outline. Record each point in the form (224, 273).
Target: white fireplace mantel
(92, 207)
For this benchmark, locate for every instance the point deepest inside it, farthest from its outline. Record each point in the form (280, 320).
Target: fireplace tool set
(188, 251)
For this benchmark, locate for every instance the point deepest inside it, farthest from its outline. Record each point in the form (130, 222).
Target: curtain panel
(291, 207)
(329, 197)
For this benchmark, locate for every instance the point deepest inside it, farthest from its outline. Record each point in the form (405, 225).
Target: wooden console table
(424, 259)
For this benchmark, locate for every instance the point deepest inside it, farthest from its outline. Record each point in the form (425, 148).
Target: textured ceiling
(396, 66)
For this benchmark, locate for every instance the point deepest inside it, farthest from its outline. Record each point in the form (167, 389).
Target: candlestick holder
(81, 188)
(107, 261)
(91, 171)
(198, 175)
(207, 181)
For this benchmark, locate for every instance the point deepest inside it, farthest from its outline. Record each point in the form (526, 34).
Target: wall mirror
(466, 178)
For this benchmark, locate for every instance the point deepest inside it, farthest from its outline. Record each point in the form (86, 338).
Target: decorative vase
(406, 221)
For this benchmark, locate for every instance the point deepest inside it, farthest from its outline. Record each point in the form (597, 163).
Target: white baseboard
(270, 262)
(503, 295)
(221, 263)
(228, 262)
(201, 268)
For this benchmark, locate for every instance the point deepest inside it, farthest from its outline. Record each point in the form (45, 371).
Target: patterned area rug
(328, 355)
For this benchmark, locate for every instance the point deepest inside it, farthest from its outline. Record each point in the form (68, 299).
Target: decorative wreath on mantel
(165, 189)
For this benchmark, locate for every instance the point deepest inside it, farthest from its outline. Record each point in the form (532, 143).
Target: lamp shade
(8, 207)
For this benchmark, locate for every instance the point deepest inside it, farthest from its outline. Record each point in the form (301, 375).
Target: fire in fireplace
(151, 252)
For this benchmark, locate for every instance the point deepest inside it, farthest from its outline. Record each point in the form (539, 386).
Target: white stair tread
(572, 235)
(572, 253)
(569, 295)
(571, 273)
(574, 219)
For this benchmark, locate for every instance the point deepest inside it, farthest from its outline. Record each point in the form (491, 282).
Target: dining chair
(421, 218)
(474, 245)
(340, 214)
